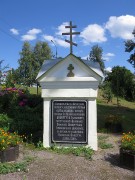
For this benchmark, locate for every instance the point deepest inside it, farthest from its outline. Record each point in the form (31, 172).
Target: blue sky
(107, 23)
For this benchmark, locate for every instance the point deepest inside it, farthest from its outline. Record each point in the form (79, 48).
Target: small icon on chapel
(70, 68)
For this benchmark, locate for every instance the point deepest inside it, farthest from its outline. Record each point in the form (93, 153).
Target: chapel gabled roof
(47, 65)
(50, 63)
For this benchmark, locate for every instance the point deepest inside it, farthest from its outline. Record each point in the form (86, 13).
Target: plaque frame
(86, 122)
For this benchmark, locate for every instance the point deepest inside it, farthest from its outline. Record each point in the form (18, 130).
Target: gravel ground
(51, 166)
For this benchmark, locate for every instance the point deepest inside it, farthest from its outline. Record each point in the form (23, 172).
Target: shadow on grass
(126, 114)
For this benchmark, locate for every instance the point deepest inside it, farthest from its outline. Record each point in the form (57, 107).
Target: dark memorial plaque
(69, 121)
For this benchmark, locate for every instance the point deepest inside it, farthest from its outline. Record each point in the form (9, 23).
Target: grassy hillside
(126, 111)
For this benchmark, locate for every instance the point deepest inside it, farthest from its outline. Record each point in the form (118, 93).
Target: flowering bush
(5, 90)
(128, 142)
(24, 111)
(9, 139)
(11, 97)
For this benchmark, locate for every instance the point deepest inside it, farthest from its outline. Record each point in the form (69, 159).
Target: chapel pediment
(69, 67)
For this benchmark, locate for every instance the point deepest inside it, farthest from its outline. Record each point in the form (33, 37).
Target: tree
(31, 59)
(130, 46)
(25, 64)
(107, 91)
(122, 82)
(41, 52)
(96, 56)
(12, 78)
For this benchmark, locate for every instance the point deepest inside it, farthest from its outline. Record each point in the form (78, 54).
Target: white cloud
(31, 34)
(57, 41)
(61, 29)
(110, 54)
(93, 33)
(34, 31)
(28, 37)
(14, 31)
(109, 69)
(107, 56)
(58, 35)
(61, 42)
(121, 26)
(48, 38)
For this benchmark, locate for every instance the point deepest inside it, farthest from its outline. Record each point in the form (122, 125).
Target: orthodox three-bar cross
(71, 33)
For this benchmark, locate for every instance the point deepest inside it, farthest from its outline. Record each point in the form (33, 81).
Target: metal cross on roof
(71, 33)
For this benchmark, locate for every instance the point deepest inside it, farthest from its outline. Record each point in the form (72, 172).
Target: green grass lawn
(33, 90)
(126, 111)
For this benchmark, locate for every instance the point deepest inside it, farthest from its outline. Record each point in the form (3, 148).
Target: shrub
(27, 120)
(24, 109)
(10, 97)
(5, 121)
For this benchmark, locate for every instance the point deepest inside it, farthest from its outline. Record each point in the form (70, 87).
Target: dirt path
(51, 166)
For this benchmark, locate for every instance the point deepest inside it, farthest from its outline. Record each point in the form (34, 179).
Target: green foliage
(96, 56)
(103, 137)
(31, 59)
(10, 78)
(126, 111)
(102, 130)
(87, 152)
(130, 46)
(102, 142)
(121, 82)
(107, 91)
(25, 64)
(33, 90)
(27, 120)
(14, 78)
(11, 97)
(104, 145)
(30, 146)
(24, 112)
(41, 51)
(5, 121)
(39, 145)
(6, 168)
